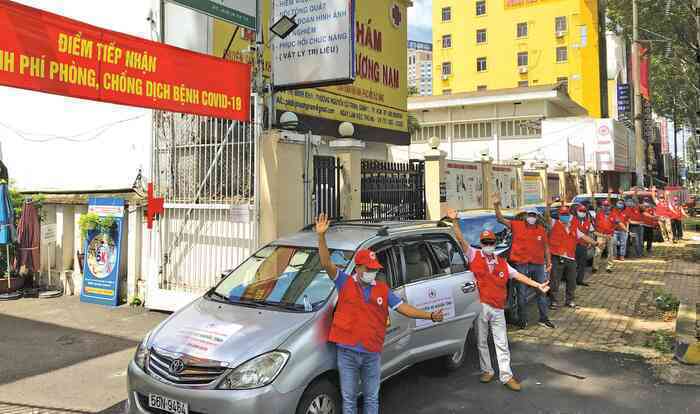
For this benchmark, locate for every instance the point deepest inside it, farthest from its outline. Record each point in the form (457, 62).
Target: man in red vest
(582, 221)
(677, 215)
(492, 274)
(663, 214)
(563, 237)
(359, 322)
(621, 229)
(529, 253)
(604, 230)
(635, 223)
(649, 223)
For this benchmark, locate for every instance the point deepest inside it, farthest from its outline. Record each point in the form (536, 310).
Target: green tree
(412, 91)
(413, 124)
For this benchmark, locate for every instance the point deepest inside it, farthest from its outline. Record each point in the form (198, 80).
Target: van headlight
(142, 353)
(258, 372)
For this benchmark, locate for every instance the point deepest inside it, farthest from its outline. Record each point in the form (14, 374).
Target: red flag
(644, 72)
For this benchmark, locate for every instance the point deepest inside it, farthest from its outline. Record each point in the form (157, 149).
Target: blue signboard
(623, 98)
(103, 253)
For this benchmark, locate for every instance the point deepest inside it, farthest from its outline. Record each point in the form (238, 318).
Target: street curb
(687, 349)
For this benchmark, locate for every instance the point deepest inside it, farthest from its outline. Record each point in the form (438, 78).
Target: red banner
(49, 53)
(644, 72)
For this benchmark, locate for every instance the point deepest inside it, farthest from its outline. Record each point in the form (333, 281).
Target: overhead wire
(44, 138)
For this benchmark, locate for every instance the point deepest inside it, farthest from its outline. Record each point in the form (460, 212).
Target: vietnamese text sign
(431, 297)
(532, 190)
(102, 251)
(320, 51)
(239, 12)
(46, 52)
(48, 233)
(375, 102)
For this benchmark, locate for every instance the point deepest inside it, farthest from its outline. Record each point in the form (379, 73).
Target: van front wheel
(322, 397)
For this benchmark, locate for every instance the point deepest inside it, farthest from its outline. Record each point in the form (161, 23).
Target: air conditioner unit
(560, 33)
(522, 69)
(445, 77)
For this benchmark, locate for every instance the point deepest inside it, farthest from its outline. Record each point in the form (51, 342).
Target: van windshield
(287, 277)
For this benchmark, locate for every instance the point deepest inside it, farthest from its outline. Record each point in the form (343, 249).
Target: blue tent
(8, 233)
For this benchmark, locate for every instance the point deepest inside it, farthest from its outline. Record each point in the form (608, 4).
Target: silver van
(257, 341)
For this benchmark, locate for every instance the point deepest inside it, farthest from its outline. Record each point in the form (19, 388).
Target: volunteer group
(543, 254)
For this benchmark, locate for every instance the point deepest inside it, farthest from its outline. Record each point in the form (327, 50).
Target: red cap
(606, 202)
(564, 210)
(368, 258)
(581, 207)
(487, 235)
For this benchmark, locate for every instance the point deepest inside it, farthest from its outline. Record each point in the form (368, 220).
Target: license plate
(167, 404)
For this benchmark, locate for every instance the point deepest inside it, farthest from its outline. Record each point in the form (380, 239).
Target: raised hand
(496, 198)
(322, 224)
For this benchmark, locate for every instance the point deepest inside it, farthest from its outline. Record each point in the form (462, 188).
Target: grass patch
(662, 341)
(666, 301)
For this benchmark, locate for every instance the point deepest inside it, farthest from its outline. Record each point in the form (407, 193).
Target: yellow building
(498, 44)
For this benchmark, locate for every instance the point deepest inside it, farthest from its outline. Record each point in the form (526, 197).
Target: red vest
(662, 210)
(357, 322)
(675, 212)
(633, 214)
(493, 289)
(649, 221)
(528, 242)
(604, 224)
(562, 243)
(584, 227)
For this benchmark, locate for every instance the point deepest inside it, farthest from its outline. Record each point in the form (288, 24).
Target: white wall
(52, 142)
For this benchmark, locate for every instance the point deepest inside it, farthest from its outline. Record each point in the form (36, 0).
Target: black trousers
(649, 237)
(677, 227)
(562, 268)
(581, 261)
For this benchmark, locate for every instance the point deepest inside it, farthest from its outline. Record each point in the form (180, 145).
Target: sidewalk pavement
(617, 312)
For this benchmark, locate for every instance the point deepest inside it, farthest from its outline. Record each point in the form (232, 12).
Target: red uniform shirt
(584, 226)
(528, 242)
(563, 242)
(675, 212)
(493, 289)
(604, 223)
(360, 322)
(633, 214)
(662, 210)
(649, 218)
(619, 217)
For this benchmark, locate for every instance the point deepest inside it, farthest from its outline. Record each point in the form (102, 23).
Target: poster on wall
(240, 12)
(321, 50)
(103, 250)
(463, 185)
(503, 182)
(45, 52)
(532, 190)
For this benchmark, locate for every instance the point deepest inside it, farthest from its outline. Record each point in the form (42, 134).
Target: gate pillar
(281, 187)
(519, 181)
(487, 169)
(349, 153)
(436, 204)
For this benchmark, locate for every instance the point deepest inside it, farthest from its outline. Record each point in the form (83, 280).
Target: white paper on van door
(430, 297)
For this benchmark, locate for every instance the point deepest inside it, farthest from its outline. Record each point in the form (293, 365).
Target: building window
(472, 130)
(522, 84)
(481, 87)
(446, 14)
(481, 64)
(560, 24)
(446, 41)
(446, 68)
(447, 91)
(481, 7)
(481, 36)
(562, 54)
(564, 81)
(520, 128)
(522, 29)
(522, 59)
(426, 132)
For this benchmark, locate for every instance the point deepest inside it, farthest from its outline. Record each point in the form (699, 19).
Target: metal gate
(326, 192)
(392, 190)
(204, 168)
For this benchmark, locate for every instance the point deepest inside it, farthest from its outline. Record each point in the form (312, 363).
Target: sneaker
(622, 258)
(594, 270)
(513, 385)
(571, 305)
(521, 324)
(485, 378)
(608, 269)
(546, 323)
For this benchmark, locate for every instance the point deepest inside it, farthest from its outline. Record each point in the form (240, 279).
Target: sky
(420, 21)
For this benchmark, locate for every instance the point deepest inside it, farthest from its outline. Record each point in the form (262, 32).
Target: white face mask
(531, 220)
(581, 215)
(368, 277)
(489, 249)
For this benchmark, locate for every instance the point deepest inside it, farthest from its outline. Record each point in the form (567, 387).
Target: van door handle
(468, 287)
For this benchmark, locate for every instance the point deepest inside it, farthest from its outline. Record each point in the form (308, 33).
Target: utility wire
(98, 132)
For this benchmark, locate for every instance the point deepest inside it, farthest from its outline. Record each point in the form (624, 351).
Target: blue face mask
(565, 219)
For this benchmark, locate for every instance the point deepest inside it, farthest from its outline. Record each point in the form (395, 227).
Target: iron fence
(393, 191)
(326, 192)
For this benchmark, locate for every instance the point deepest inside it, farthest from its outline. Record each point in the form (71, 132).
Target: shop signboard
(375, 102)
(49, 53)
(103, 251)
(464, 186)
(240, 12)
(321, 50)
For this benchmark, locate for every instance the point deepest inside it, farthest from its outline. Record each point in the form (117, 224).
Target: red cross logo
(396, 15)
(154, 207)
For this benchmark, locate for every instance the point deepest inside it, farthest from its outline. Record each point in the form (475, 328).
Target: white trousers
(496, 319)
